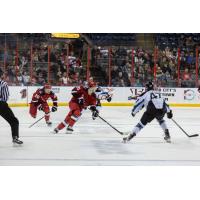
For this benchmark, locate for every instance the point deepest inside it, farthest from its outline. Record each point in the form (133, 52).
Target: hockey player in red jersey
(39, 102)
(83, 97)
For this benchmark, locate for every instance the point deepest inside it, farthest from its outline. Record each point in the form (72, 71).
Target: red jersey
(80, 93)
(40, 97)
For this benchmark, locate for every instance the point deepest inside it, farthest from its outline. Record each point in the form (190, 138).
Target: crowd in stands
(23, 69)
(146, 63)
(64, 63)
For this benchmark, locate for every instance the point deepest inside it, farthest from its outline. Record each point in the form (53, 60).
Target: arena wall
(183, 97)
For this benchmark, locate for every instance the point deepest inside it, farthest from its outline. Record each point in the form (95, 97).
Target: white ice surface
(95, 143)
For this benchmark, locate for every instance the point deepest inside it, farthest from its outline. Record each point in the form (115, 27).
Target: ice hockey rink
(95, 143)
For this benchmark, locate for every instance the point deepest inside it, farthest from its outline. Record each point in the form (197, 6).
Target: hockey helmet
(47, 88)
(149, 86)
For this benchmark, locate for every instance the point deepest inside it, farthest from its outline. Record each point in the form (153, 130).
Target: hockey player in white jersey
(102, 94)
(156, 108)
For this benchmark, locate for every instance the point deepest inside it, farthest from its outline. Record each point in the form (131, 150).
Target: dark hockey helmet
(149, 86)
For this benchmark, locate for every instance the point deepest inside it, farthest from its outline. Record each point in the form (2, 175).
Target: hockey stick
(38, 121)
(111, 125)
(194, 135)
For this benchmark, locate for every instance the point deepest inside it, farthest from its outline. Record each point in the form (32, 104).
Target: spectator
(25, 79)
(190, 60)
(59, 74)
(186, 75)
(19, 79)
(64, 79)
(74, 78)
(186, 78)
(138, 83)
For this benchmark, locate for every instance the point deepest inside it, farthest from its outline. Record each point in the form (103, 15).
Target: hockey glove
(95, 112)
(54, 109)
(80, 101)
(133, 114)
(130, 98)
(169, 114)
(109, 99)
(40, 108)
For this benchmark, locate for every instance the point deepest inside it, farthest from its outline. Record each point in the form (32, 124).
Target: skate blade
(124, 140)
(68, 132)
(17, 145)
(168, 141)
(53, 132)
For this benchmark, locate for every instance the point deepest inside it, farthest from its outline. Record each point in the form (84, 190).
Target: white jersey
(154, 97)
(104, 93)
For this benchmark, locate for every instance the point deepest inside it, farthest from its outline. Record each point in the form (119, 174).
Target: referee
(6, 112)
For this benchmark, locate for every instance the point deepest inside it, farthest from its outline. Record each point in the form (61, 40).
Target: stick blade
(195, 135)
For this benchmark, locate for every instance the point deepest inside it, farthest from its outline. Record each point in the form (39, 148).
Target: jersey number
(155, 96)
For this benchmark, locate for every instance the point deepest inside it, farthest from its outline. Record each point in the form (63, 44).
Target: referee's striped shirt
(4, 92)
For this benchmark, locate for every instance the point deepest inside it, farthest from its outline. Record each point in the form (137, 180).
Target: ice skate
(49, 123)
(167, 136)
(69, 130)
(129, 137)
(55, 131)
(17, 141)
